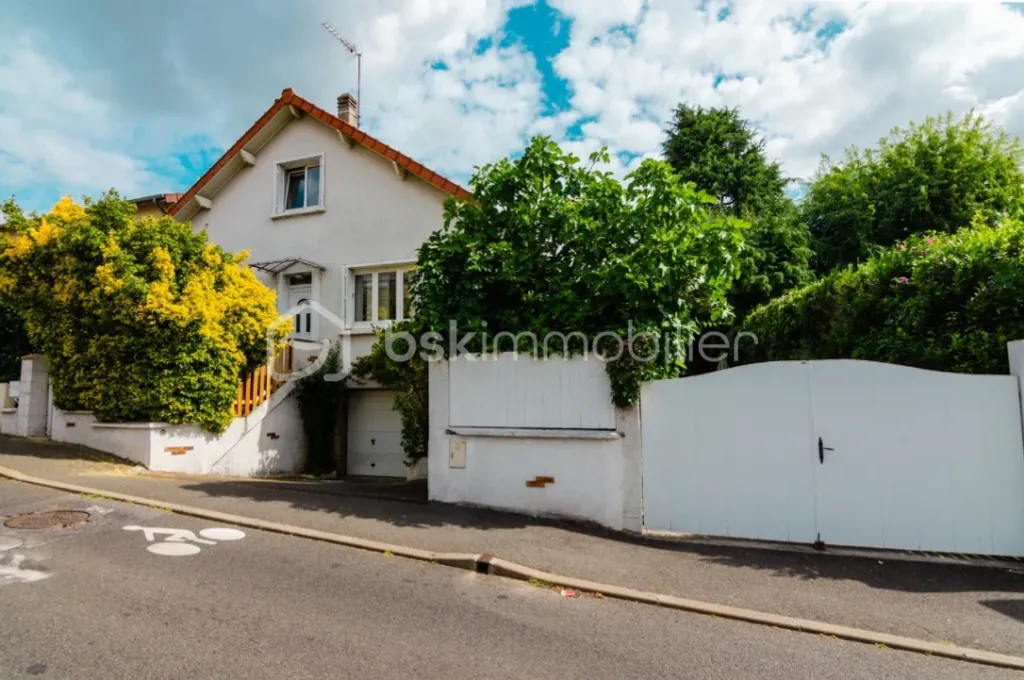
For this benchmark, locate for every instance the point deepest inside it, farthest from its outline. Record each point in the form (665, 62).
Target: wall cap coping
(131, 426)
(534, 433)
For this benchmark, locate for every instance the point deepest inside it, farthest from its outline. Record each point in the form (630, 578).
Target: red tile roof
(157, 198)
(289, 98)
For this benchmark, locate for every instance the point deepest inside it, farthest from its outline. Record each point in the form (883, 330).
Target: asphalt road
(92, 602)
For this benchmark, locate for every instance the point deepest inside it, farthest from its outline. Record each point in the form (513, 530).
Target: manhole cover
(46, 520)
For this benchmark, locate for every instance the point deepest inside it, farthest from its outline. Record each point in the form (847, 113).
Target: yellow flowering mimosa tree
(141, 320)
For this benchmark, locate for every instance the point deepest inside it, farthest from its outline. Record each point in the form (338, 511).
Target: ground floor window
(382, 295)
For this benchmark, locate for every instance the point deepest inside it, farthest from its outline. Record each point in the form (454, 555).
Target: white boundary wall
(270, 440)
(500, 422)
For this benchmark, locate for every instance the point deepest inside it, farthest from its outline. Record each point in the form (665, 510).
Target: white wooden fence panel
(728, 453)
(502, 391)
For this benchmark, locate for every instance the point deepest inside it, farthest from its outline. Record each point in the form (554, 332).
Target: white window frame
(399, 269)
(281, 186)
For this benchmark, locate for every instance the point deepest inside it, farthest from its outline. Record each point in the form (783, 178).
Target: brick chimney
(348, 109)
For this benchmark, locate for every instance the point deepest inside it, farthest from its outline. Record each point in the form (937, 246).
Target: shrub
(140, 320)
(946, 302)
(935, 176)
(549, 244)
(14, 343)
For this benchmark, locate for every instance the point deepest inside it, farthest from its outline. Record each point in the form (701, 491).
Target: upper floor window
(300, 186)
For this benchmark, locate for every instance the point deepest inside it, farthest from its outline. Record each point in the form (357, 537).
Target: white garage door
(374, 435)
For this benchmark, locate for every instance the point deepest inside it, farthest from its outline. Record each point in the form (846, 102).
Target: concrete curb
(487, 564)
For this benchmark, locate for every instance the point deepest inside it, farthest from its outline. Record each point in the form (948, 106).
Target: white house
(332, 215)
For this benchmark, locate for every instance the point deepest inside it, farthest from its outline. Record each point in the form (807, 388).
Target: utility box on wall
(457, 452)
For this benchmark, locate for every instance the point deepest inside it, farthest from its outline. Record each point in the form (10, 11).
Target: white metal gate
(847, 452)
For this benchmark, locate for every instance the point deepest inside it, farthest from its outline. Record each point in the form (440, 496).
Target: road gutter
(487, 564)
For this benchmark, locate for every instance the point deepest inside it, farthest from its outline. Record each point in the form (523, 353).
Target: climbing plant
(319, 396)
(408, 381)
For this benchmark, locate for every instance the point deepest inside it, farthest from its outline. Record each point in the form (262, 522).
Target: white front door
(374, 434)
(303, 321)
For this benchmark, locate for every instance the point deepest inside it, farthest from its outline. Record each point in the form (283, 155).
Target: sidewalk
(965, 605)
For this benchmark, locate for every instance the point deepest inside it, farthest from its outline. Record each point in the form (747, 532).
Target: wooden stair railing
(259, 385)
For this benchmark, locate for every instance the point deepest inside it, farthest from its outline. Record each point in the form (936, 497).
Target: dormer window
(300, 187)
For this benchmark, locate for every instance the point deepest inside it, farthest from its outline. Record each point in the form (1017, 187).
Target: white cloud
(894, 63)
(105, 93)
(473, 111)
(591, 17)
(53, 132)
(113, 100)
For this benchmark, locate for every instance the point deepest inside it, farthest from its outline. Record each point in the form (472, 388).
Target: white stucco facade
(368, 218)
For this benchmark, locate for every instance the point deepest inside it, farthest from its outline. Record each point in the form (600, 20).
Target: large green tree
(549, 244)
(14, 343)
(722, 154)
(936, 176)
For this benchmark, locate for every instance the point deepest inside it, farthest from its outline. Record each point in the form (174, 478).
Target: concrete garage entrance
(374, 435)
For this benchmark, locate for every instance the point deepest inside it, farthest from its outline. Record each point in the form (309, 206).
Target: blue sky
(116, 93)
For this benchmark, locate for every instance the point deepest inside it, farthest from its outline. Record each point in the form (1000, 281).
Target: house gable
(369, 220)
(286, 109)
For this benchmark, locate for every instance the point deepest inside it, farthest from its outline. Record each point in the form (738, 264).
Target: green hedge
(945, 302)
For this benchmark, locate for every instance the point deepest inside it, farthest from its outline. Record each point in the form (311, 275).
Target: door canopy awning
(278, 266)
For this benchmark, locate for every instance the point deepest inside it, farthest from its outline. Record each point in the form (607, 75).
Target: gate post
(33, 397)
(1015, 353)
(627, 422)
(438, 440)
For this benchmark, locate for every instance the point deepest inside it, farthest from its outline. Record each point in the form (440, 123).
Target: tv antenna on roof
(359, 67)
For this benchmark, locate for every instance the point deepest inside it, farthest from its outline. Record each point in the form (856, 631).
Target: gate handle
(821, 450)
